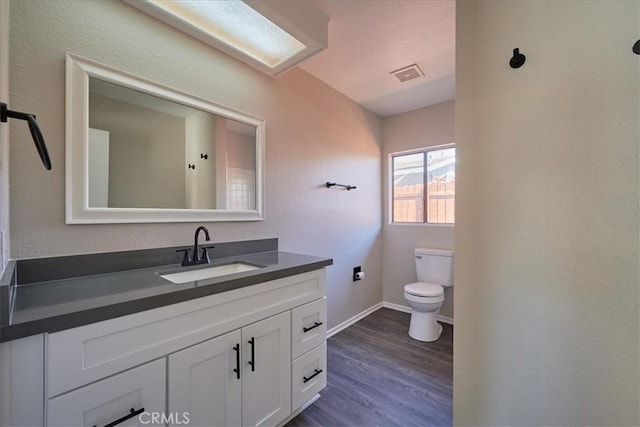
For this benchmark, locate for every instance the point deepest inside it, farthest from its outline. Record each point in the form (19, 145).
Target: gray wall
(416, 129)
(241, 150)
(314, 134)
(547, 218)
(201, 136)
(146, 153)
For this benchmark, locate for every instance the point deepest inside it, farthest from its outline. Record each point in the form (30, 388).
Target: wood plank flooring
(379, 376)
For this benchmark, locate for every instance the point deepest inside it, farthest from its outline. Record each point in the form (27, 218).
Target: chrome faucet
(194, 260)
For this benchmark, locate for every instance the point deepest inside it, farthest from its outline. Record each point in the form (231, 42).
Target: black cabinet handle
(236, 348)
(315, 325)
(132, 414)
(252, 362)
(315, 374)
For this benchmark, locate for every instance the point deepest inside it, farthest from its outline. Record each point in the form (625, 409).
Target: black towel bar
(348, 187)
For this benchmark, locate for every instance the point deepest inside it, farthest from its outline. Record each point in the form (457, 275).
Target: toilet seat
(422, 289)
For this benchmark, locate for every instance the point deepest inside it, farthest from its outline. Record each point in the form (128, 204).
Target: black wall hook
(190, 166)
(636, 48)
(518, 59)
(204, 156)
(38, 139)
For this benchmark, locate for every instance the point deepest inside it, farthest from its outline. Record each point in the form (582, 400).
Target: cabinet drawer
(308, 375)
(101, 403)
(89, 353)
(308, 326)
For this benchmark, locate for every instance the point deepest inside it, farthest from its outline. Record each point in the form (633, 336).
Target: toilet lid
(422, 289)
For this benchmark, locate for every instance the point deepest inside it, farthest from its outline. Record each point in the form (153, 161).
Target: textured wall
(546, 273)
(4, 136)
(314, 134)
(416, 129)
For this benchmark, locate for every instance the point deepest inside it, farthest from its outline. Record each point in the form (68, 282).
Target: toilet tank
(434, 266)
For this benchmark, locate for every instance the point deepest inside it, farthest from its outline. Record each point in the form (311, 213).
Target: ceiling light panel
(238, 25)
(271, 36)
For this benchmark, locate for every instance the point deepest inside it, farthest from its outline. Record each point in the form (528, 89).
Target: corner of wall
(4, 137)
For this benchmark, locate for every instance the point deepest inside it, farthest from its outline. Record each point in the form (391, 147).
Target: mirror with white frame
(138, 151)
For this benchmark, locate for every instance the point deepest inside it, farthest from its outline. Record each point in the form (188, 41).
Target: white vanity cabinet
(308, 375)
(308, 351)
(203, 384)
(129, 397)
(241, 378)
(180, 361)
(266, 380)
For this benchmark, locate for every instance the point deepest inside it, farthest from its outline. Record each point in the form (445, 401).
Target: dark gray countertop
(55, 305)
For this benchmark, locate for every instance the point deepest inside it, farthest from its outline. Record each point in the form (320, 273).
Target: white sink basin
(209, 272)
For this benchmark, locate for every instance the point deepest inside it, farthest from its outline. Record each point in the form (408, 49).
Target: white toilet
(425, 297)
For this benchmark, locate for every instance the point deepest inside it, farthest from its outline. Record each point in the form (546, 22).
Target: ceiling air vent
(408, 73)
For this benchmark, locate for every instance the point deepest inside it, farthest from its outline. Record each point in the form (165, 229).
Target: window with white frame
(423, 186)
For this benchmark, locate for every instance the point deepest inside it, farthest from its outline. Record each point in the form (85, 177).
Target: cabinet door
(203, 383)
(266, 382)
(141, 389)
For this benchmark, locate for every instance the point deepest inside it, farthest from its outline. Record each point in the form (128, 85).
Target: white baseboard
(405, 309)
(331, 332)
(444, 319)
(396, 307)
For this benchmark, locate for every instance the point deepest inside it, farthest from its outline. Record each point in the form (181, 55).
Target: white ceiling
(370, 38)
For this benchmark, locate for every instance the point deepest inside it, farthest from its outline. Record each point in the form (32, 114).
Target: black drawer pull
(315, 325)
(125, 418)
(315, 374)
(252, 362)
(236, 348)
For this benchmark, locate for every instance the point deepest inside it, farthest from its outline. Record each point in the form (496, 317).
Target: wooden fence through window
(408, 203)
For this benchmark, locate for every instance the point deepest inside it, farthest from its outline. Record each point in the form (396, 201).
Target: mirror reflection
(147, 152)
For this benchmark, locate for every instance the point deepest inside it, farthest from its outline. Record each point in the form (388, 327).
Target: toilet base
(424, 327)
